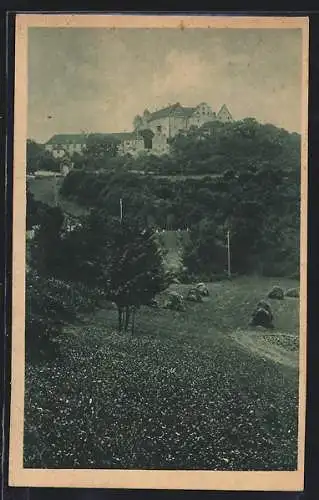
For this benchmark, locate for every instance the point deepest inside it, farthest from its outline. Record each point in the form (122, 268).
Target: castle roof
(176, 109)
(224, 109)
(179, 110)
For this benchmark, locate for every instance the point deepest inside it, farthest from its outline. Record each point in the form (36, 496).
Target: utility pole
(121, 209)
(55, 191)
(228, 254)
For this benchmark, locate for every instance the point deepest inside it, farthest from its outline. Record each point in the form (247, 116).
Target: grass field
(46, 190)
(191, 390)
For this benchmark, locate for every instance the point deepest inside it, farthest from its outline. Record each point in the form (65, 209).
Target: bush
(49, 306)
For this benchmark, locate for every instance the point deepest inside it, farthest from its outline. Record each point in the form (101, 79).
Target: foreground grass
(181, 394)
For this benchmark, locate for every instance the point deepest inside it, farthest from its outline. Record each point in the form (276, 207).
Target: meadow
(197, 389)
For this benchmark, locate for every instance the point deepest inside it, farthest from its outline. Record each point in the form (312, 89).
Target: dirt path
(255, 342)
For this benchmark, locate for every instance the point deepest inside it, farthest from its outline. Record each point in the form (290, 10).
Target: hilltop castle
(161, 125)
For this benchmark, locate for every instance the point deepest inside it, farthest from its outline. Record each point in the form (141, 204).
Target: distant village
(164, 124)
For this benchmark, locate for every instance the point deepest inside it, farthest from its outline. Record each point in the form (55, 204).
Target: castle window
(159, 128)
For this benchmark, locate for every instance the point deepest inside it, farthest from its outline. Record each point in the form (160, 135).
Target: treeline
(217, 146)
(260, 207)
(210, 149)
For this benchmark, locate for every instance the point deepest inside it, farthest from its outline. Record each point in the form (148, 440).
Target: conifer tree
(123, 258)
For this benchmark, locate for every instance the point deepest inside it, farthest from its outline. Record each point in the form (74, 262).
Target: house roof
(67, 139)
(122, 136)
(82, 138)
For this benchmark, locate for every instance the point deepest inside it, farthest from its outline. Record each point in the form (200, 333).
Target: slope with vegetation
(115, 381)
(251, 188)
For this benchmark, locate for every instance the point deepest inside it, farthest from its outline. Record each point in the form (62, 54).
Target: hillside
(190, 387)
(183, 393)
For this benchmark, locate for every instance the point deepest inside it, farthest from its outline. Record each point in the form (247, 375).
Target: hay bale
(264, 305)
(293, 292)
(262, 315)
(194, 295)
(202, 288)
(174, 301)
(276, 293)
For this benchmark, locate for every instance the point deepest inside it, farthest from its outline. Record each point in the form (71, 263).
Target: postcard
(159, 252)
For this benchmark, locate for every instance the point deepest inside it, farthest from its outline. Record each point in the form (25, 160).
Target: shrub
(49, 306)
(292, 292)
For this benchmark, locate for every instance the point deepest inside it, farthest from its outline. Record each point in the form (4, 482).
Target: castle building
(167, 122)
(173, 119)
(163, 125)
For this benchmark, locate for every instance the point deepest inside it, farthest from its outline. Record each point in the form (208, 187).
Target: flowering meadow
(180, 394)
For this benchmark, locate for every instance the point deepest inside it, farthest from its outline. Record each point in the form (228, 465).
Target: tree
(99, 149)
(122, 258)
(216, 146)
(147, 136)
(34, 152)
(39, 159)
(35, 210)
(137, 122)
(46, 248)
(138, 275)
(205, 253)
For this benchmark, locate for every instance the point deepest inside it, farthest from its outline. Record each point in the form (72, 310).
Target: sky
(98, 79)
